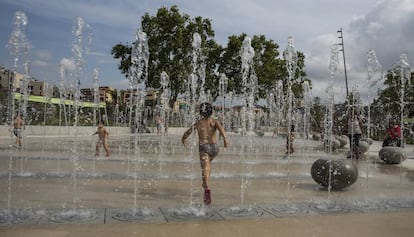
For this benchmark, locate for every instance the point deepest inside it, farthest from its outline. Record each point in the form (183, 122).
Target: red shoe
(207, 196)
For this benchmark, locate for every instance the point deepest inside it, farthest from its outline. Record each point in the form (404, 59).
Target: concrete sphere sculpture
(343, 140)
(392, 155)
(335, 144)
(259, 133)
(368, 140)
(316, 137)
(363, 146)
(336, 174)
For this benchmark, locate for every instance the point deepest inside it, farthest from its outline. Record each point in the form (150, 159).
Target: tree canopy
(388, 102)
(170, 35)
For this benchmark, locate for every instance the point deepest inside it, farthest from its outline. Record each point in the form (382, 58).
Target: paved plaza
(150, 186)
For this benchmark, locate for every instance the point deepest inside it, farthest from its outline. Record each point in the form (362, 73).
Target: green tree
(300, 76)
(388, 103)
(123, 54)
(268, 65)
(230, 63)
(317, 115)
(170, 36)
(389, 99)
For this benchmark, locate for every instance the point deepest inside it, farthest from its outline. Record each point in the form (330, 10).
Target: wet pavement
(56, 187)
(382, 224)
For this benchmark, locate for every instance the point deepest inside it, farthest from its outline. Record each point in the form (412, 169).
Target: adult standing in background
(354, 129)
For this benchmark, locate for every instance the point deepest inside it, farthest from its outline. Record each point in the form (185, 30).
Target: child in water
(289, 140)
(103, 138)
(18, 125)
(208, 149)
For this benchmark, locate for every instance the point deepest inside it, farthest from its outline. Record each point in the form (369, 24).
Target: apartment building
(104, 93)
(7, 77)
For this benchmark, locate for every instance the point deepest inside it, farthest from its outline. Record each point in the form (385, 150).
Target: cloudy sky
(385, 26)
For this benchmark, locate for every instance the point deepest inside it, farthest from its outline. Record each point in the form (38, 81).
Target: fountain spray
(374, 75)
(138, 78)
(163, 113)
(17, 43)
(291, 59)
(405, 77)
(80, 49)
(330, 102)
(249, 82)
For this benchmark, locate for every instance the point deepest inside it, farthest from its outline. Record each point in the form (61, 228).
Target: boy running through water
(103, 138)
(208, 149)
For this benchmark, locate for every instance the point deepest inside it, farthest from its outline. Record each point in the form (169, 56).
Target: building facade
(9, 79)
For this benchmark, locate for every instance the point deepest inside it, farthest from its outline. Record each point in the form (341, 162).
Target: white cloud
(405, 5)
(385, 26)
(373, 28)
(67, 64)
(386, 29)
(40, 63)
(43, 54)
(42, 58)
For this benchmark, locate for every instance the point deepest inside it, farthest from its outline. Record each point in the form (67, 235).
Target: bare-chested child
(289, 140)
(103, 138)
(208, 149)
(18, 125)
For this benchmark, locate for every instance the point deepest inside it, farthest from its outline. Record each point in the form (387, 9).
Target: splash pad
(152, 178)
(168, 185)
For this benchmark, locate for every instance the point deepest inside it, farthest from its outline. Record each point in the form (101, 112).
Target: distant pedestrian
(354, 126)
(18, 125)
(289, 140)
(158, 123)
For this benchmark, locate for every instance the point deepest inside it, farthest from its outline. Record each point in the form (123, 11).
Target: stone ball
(343, 140)
(334, 143)
(259, 133)
(392, 155)
(363, 146)
(368, 140)
(316, 137)
(336, 174)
